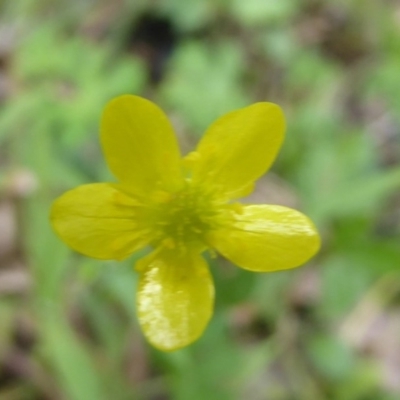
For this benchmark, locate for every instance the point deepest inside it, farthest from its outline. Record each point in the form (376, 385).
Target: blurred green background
(328, 330)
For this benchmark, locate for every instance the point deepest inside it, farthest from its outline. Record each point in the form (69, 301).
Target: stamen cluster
(184, 218)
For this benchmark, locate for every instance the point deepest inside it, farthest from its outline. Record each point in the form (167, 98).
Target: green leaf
(70, 359)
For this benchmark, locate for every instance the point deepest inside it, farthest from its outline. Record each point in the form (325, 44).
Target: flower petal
(267, 238)
(140, 145)
(239, 147)
(99, 221)
(175, 298)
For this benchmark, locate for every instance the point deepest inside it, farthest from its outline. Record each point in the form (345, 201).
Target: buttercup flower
(182, 207)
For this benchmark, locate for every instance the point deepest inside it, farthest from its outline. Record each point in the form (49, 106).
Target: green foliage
(70, 360)
(261, 12)
(273, 336)
(205, 82)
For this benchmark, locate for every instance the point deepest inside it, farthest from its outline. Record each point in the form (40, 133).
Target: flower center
(183, 219)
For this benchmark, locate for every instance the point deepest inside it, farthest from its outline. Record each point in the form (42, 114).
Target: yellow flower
(182, 207)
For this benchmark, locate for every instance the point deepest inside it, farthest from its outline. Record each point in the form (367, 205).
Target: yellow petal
(239, 147)
(98, 220)
(175, 298)
(267, 238)
(140, 145)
